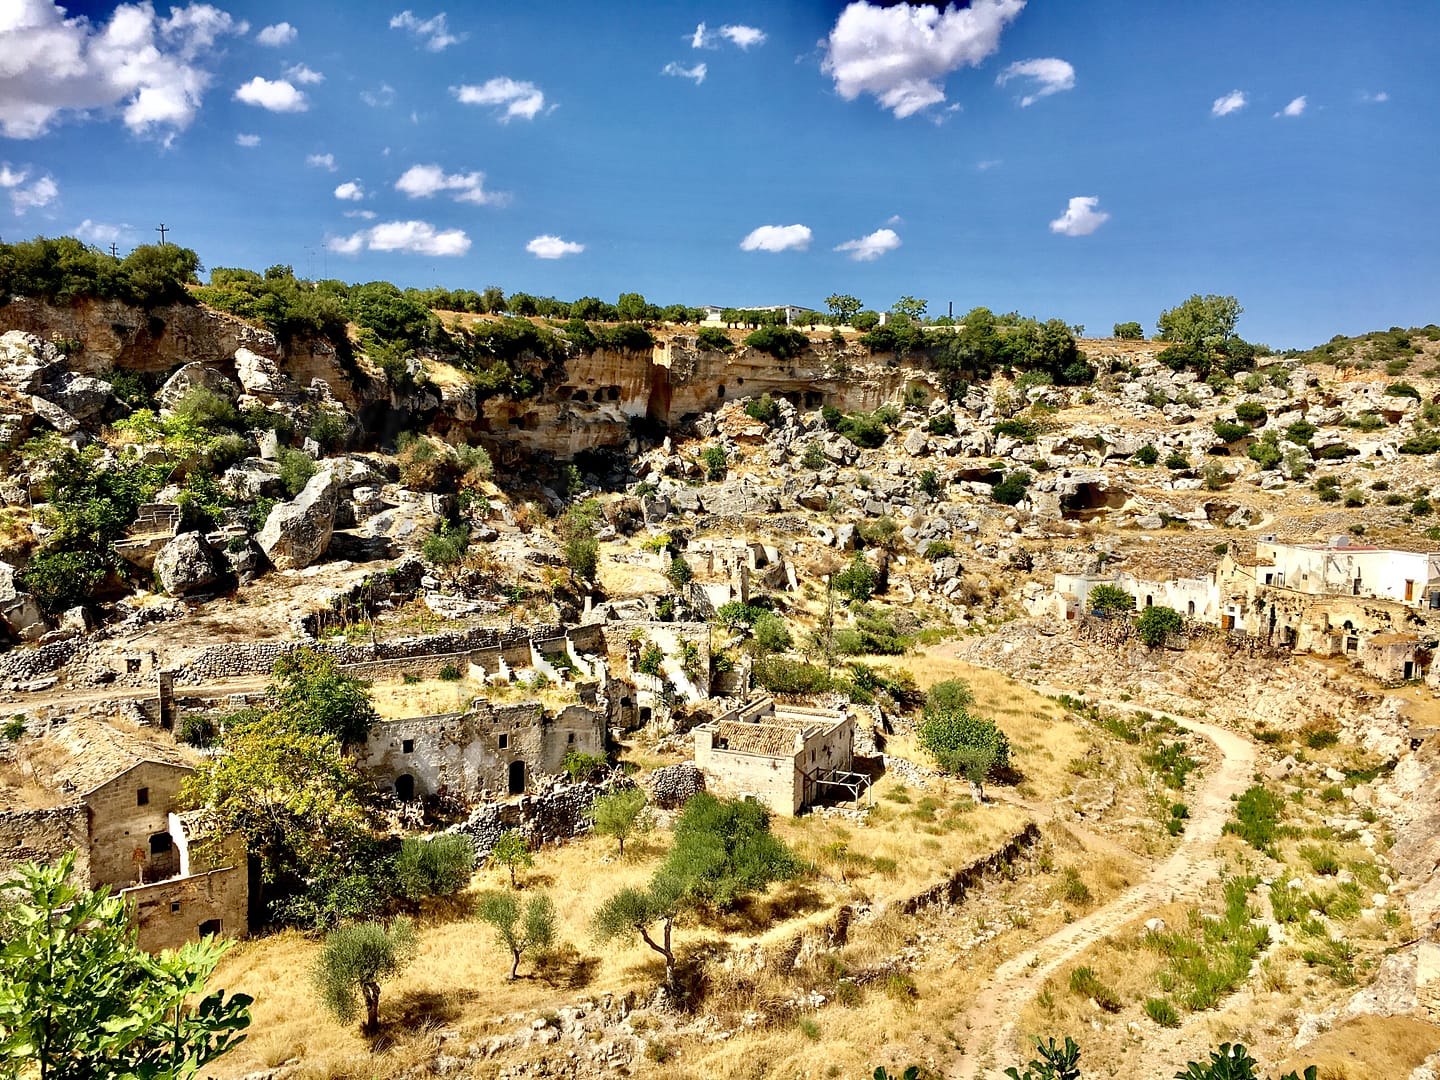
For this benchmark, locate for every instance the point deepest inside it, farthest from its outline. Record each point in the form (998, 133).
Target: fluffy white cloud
(321, 161)
(304, 75)
(1295, 108)
(743, 37)
(777, 238)
(1234, 101)
(379, 98)
(277, 96)
(674, 68)
(350, 191)
(433, 32)
(871, 247)
(423, 181)
(151, 69)
(410, 237)
(101, 234)
(247, 141)
(552, 247)
(1081, 218)
(1378, 98)
(1050, 75)
(900, 55)
(26, 194)
(510, 97)
(367, 215)
(278, 34)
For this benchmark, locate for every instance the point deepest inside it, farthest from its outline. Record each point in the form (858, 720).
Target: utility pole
(162, 230)
(114, 251)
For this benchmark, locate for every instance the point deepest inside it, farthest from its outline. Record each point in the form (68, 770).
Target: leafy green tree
(858, 580)
(679, 573)
(80, 999)
(1110, 599)
(715, 461)
(620, 814)
(517, 931)
(724, 850)
(1204, 321)
(1129, 331)
(309, 693)
(769, 634)
(910, 308)
(842, 306)
(1156, 624)
(712, 337)
(948, 695)
(865, 320)
(158, 273)
(947, 734)
(437, 866)
(354, 962)
(513, 852)
(780, 342)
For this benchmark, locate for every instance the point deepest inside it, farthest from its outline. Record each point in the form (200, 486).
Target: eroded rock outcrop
(298, 532)
(186, 565)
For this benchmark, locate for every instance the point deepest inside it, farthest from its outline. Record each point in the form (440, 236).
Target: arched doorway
(517, 778)
(405, 787)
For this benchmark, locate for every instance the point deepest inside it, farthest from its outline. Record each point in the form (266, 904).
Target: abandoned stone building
(785, 756)
(111, 797)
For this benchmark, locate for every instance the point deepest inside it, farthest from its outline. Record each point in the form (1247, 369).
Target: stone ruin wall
(546, 818)
(44, 835)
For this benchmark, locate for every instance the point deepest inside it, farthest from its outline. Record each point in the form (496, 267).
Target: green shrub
(763, 408)
(1301, 432)
(1162, 1012)
(1354, 497)
(446, 546)
(1177, 462)
(650, 660)
(1011, 490)
(580, 767)
(712, 337)
(779, 341)
(938, 549)
(1147, 455)
(715, 461)
(1257, 815)
(438, 866)
(1109, 599)
(858, 580)
(450, 673)
(814, 457)
(941, 424)
(1086, 984)
(1251, 412)
(1402, 389)
(865, 431)
(1024, 430)
(1229, 432)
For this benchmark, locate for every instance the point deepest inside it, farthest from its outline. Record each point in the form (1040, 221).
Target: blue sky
(1097, 161)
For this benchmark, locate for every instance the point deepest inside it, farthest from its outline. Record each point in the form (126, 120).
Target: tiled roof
(89, 754)
(775, 740)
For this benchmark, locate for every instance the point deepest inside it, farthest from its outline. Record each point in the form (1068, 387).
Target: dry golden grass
(397, 699)
(1369, 1048)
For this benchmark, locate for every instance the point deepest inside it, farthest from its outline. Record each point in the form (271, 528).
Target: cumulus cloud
(247, 141)
(777, 238)
(1081, 218)
(552, 247)
(1377, 98)
(153, 70)
(434, 33)
(409, 237)
(100, 234)
(509, 97)
(278, 34)
(321, 161)
(900, 55)
(1049, 75)
(304, 75)
(350, 191)
(1234, 101)
(368, 215)
(869, 248)
(277, 96)
(743, 37)
(423, 181)
(674, 68)
(379, 98)
(1295, 108)
(26, 194)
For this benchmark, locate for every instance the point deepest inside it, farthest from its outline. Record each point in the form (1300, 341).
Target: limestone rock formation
(186, 565)
(297, 533)
(19, 611)
(195, 377)
(260, 375)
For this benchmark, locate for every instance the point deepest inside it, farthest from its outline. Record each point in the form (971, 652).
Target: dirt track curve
(991, 1036)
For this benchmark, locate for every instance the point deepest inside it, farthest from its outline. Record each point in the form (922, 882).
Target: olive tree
(621, 814)
(519, 931)
(512, 852)
(353, 963)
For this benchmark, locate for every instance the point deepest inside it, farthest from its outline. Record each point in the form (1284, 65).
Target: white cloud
(895, 219)
(279, 34)
(777, 238)
(303, 75)
(552, 247)
(1050, 74)
(380, 97)
(350, 191)
(1234, 101)
(247, 141)
(433, 32)
(869, 248)
(409, 237)
(26, 194)
(1081, 218)
(900, 55)
(1295, 108)
(152, 70)
(101, 234)
(423, 181)
(321, 161)
(988, 163)
(674, 68)
(277, 96)
(367, 215)
(1378, 98)
(743, 37)
(510, 96)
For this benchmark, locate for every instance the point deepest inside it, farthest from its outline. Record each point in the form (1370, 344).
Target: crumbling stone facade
(780, 755)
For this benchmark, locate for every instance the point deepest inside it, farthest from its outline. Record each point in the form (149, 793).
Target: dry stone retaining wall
(547, 818)
(953, 889)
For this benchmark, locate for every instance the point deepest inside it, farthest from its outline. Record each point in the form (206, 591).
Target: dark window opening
(142, 796)
(1149, 601)
(174, 907)
(161, 844)
(210, 928)
(132, 665)
(517, 778)
(720, 390)
(405, 787)
(407, 746)
(504, 740)
(571, 738)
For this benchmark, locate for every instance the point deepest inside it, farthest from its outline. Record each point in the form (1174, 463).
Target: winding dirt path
(1182, 876)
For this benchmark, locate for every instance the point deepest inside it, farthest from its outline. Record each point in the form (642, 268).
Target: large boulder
(195, 377)
(19, 611)
(260, 375)
(297, 532)
(186, 565)
(24, 360)
(252, 478)
(82, 396)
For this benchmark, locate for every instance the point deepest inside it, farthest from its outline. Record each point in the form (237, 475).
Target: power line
(162, 230)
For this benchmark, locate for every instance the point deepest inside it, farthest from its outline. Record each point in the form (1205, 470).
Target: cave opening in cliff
(1087, 500)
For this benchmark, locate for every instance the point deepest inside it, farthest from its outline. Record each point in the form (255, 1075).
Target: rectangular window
(571, 738)
(407, 746)
(504, 740)
(174, 907)
(142, 796)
